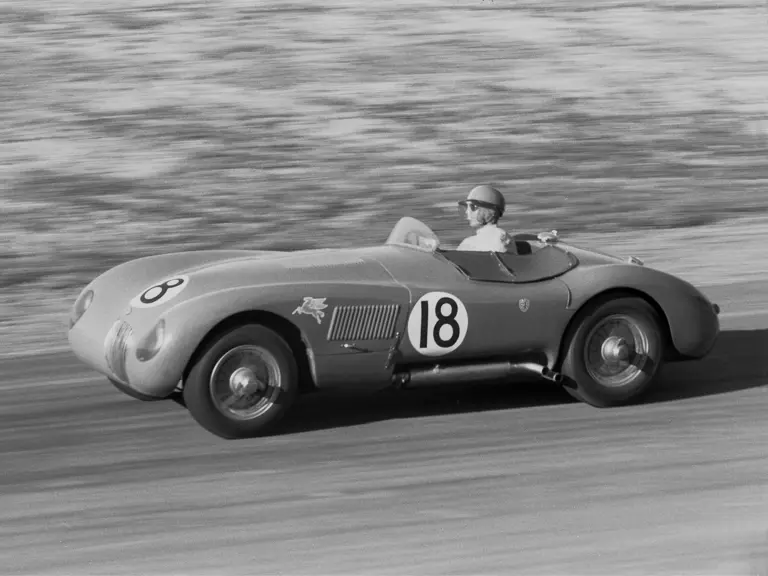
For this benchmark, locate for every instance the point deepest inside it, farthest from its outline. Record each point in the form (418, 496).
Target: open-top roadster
(239, 334)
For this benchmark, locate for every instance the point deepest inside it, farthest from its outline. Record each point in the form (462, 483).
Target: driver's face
(472, 213)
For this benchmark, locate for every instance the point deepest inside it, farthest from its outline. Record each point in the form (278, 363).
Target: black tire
(259, 347)
(592, 347)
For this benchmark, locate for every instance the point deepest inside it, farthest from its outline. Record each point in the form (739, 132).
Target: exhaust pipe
(488, 371)
(551, 375)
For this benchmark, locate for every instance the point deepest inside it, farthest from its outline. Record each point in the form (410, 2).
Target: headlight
(150, 345)
(82, 304)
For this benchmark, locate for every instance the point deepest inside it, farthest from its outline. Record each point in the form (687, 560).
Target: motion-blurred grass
(136, 127)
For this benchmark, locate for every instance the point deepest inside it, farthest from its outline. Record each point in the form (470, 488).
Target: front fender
(692, 319)
(187, 324)
(190, 321)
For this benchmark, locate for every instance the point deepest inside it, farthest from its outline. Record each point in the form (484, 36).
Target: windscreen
(412, 232)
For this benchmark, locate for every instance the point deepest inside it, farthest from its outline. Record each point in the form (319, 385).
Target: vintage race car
(236, 335)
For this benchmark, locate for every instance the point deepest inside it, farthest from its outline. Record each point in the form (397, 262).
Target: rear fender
(691, 323)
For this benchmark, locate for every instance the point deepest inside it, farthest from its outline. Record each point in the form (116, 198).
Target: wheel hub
(243, 382)
(615, 349)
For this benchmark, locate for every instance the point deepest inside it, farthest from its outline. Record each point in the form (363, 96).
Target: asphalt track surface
(504, 478)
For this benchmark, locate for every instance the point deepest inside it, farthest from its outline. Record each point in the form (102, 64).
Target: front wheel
(242, 383)
(614, 353)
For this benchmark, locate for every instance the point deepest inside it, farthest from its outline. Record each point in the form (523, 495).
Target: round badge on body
(437, 324)
(161, 292)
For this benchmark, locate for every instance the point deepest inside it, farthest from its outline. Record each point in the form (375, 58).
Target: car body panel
(219, 290)
(502, 318)
(693, 322)
(359, 311)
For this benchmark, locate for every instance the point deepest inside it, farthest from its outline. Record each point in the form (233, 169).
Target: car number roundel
(161, 292)
(437, 324)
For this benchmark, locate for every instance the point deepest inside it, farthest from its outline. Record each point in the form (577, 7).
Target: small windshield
(412, 232)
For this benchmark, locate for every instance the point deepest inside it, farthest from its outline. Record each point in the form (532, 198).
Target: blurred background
(132, 128)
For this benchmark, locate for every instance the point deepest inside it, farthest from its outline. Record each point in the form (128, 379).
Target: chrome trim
(437, 374)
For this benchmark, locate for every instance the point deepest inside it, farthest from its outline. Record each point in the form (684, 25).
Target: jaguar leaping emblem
(312, 306)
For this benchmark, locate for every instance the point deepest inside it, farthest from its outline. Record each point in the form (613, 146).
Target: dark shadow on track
(336, 409)
(739, 361)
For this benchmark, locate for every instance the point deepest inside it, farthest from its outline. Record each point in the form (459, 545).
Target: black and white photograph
(418, 287)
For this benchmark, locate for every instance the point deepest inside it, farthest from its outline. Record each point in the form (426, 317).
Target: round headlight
(150, 345)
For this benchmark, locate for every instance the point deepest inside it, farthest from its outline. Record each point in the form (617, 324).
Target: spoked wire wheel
(242, 382)
(616, 350)
(245, 382)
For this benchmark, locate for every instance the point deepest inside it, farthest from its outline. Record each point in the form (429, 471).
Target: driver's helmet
(485, 196)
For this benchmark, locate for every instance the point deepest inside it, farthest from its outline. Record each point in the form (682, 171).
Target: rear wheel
(614, 353)
(243, 383)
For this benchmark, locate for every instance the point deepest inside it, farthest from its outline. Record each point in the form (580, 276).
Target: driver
(484, 207)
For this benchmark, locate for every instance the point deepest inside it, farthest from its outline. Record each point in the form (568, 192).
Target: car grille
(366, 322)
(116, 349)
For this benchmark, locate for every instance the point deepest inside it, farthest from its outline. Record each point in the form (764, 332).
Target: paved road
(499, 479)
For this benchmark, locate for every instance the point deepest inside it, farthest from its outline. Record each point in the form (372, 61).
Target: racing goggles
(473, 205)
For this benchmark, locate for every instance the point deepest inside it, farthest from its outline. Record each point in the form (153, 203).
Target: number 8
(160, 293)
(163, 288)
(442, 320)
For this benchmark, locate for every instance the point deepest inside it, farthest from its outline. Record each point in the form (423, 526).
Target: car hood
(211, 270)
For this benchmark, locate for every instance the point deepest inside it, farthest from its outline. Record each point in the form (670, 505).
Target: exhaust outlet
(470, 372)
(551, 375)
